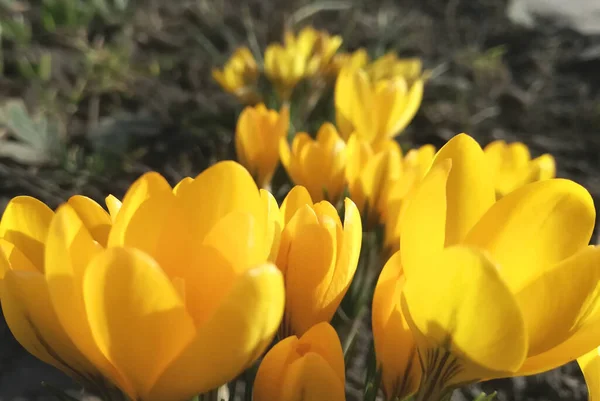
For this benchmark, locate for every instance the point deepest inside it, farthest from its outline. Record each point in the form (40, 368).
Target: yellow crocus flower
(390, 66)
(303, 56)
(395, 347)
(511, 166)
(369, 173)
(415, 164)
(590, 366)
(356, 59)
(143, 300)
(516, 284)
(319, 164)
(318, 256)
(311, 367)
(375, 110)
(257, 138)
(239, 76)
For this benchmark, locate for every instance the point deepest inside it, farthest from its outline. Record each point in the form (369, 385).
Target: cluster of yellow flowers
(486, 269)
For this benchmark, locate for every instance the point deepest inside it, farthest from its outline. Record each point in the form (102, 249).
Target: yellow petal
(590, 366)
(561, 301)
(534, 227)
(401, 117)
(469, 191)
(395, 346)
(309, 268)
(323, 340)
(95, 219)
(545, 167)
(294, 200)
(145, 187)
(182, 185)
(344, 88)
(25, 224)
(113, 205)
(274, 223)
(467, 311)
(248, 318)
(15, 258)
(424, 220)
(311, 378)
(31, 318)
(348, 252)
(241, 239)
(217, 191)
(69, 250)
(137, 318)
(269, 377)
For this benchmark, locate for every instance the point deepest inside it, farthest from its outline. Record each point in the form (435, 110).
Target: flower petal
(424, 219)
(96, 220)
(25, 224)
(395, 346)
(145, 187)
(246, 321)
(136, 316)
(270, 374)
(294, 200)
(590, 366)
(535, 227)
(15, 258)
(467, 291)
(323, 339)
(69, 250)
(32, 320)
(217, 191)
(274, 223)
(113, 205)
(311, 378)
(469, 191)
(556, 305)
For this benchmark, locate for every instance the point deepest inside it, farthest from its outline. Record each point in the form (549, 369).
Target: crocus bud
(257, 137)
(319, 165)
(307, 368)
(318, 257)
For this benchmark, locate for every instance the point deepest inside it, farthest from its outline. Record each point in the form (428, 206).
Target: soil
(490, 78)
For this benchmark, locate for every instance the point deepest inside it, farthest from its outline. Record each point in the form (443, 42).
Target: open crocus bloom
(311, 367)
(239, 75)
(375, 110)
(172, 297)
(500, 288)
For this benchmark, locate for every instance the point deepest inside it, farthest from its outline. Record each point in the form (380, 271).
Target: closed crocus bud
(171, 297)
(395, 347)
(318, 256)
(307, 368)
(370, 172)
(515, 280)
(375, 110)
(511, 166)
(319, 165)
(239, 76)
(257, 138)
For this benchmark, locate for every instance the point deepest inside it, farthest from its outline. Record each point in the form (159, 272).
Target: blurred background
(95, 92)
